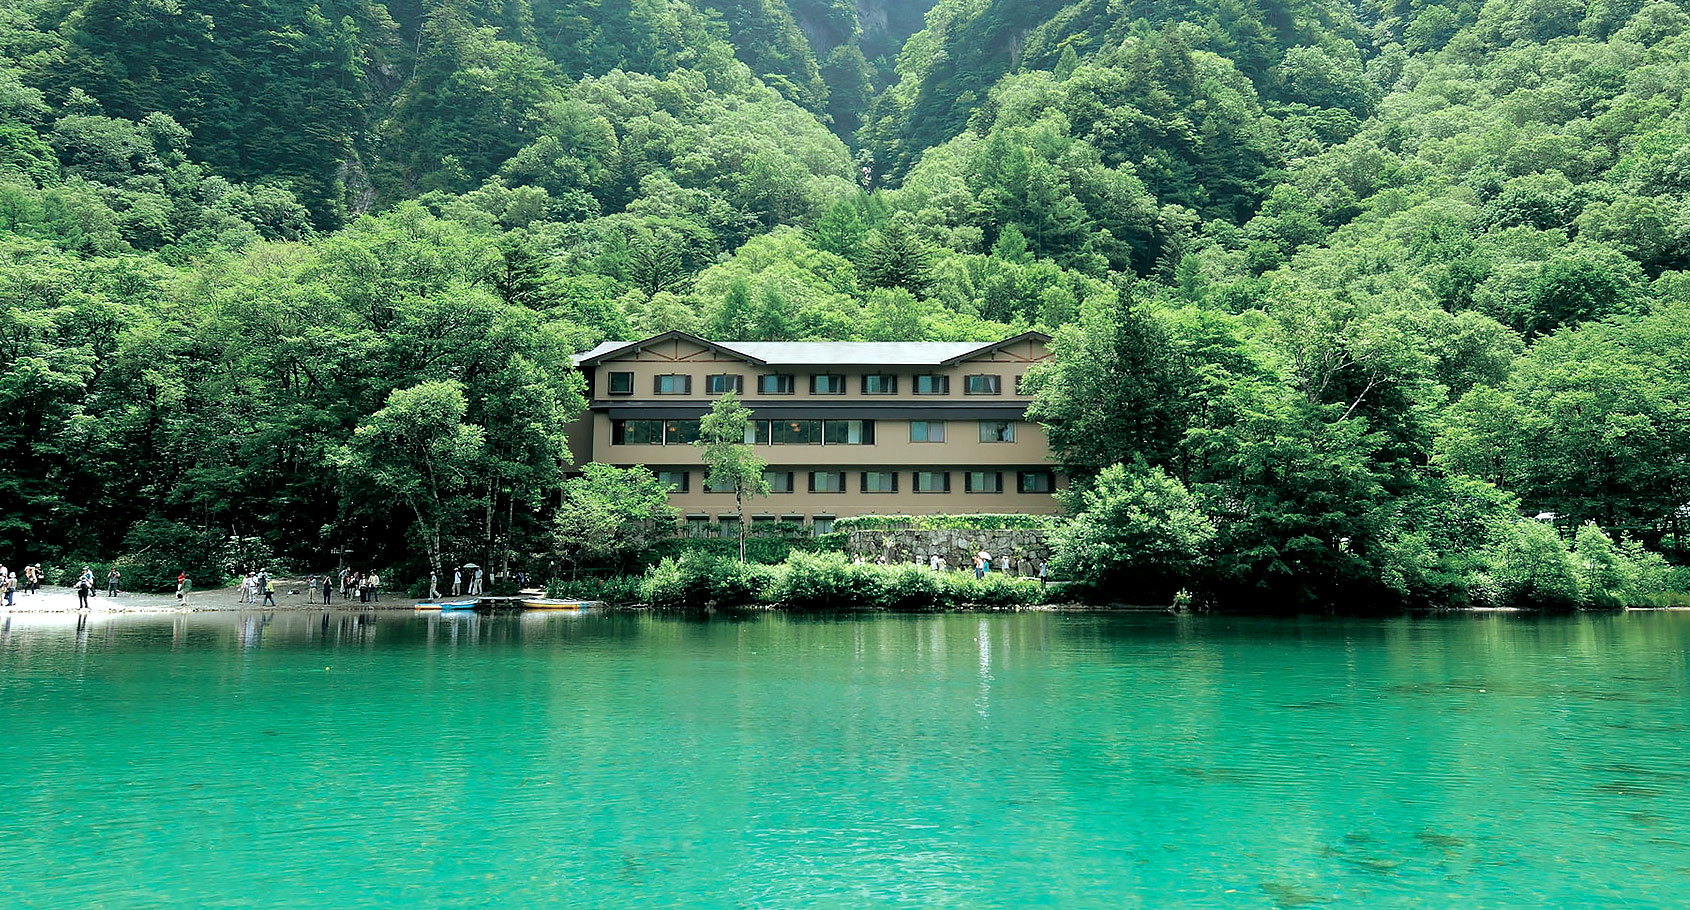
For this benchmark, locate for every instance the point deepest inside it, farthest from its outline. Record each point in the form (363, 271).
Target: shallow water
(316, 760)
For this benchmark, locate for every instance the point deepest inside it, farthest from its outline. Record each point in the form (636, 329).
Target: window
(716, 488)
(880, 481)
(827, 385)
(848, 432)
(983, 385)
(1018, 385)
(698, 526)
(728, 525)
(827, 481)
(723, 383)
(779, 481)
(997, 431)
(880, 385)
(932, 481)
(757, 432)
(676, 481)
(680, 432)
(927, 431)
(984, 481)
(822, 524)
(932, 385)
(763, 525)
(636, 432)
(774, 384)
(1034, 482)
(672, 384)
(796, 432)
(621, 383)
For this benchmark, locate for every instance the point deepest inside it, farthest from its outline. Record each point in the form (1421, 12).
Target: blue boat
(445, 606)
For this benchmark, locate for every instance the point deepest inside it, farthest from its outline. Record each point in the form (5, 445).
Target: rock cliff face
(1026, 548)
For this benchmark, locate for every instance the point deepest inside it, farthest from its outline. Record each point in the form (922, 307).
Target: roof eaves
(996, 346)
(674, 334)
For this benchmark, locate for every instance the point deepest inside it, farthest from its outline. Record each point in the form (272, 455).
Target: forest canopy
(1374, 295)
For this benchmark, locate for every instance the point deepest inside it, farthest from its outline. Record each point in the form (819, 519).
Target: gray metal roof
(827, 353)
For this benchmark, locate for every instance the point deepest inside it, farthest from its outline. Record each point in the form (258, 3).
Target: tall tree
(730, 463)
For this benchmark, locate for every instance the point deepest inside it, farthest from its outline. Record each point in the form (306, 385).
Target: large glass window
(827, 385)
(997, 431)
(796, 432)
(827, 481)
(983, 385)
(880, 385)
(931, 384)
(636, 432)
(723, 383)
(822, 524)
(621, 383)
(848, 432)
(673, 384)
(779, 481)
(775, 384)
(932, 481)
(1034, 482)
(880, 481)
(676, 481)
(927, 431)
(757, 432)
(680, 432)
(698, 526)
(984, 481)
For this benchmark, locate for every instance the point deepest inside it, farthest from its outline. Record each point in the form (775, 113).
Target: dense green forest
(1363, 288)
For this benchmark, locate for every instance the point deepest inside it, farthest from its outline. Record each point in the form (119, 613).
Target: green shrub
(620, 590)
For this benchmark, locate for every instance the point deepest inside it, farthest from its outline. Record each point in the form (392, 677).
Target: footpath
(290, 595)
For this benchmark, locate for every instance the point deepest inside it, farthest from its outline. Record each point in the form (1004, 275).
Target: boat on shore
(445, 606)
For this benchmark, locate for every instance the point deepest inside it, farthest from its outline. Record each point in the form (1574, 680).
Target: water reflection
(357, 758)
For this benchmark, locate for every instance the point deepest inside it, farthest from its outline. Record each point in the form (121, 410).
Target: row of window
(761, 525)
(622, 383)
(876, 481)
(793, 432)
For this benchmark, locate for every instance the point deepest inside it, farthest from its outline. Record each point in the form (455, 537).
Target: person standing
(375, 587)
(475, 586)
(84, 585)
(1044, 577)
(311, 590)
(111, 581)
(269, 589)
(11, 582)
(1003, 563)
(433, 585)
(181, 589)
(982, 564)
(328, 592)
(457, 581)
(933, 562)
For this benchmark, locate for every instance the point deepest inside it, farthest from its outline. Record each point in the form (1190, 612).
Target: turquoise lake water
(1032, 760)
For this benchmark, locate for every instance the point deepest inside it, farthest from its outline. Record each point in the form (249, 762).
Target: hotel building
(847, 428)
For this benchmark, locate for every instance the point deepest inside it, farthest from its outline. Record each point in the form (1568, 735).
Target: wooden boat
(548, 604)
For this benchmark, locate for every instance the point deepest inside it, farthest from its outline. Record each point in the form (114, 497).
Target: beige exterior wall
(892, 449)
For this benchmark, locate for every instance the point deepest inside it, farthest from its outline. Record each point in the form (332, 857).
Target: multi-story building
(847, 428)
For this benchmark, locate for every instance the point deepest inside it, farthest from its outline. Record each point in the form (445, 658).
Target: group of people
(9, 582)
(982, 564)
(258, 588)
(472, 572)
(366, 586)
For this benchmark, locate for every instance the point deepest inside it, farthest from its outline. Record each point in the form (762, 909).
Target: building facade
(847, 428)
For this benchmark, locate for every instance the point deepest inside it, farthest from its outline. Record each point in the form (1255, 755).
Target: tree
(1138, 531)
(611, 515)
(1112, 394)
(895, 257)
(731, 464)
(418, 451)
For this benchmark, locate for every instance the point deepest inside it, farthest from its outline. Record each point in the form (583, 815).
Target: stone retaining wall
(1026, 547)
